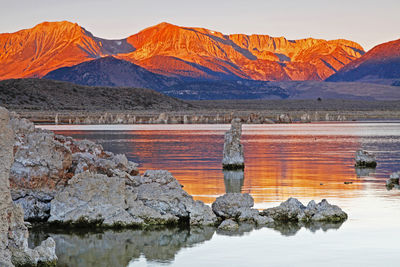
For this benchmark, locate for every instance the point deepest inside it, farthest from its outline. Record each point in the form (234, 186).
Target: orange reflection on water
(278, 166)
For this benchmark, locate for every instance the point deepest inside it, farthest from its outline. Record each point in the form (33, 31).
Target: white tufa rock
(365, 159)
(233, 149)
(393, 180)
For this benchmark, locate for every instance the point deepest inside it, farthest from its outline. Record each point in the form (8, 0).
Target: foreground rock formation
(156, 198)
(45, 162)
(233, 151)
(237, 207)
(365, 159)
(14, 248)
(62, 180)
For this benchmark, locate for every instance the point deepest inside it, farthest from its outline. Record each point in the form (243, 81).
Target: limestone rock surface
(14, 248)
(154, 198)
(293, 210)
(365, 159)
(233, 157)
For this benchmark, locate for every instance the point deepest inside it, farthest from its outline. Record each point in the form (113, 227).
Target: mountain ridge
(381, 62)
(171, 50)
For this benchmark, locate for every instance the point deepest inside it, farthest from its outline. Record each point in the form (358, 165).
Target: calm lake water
(306, 161)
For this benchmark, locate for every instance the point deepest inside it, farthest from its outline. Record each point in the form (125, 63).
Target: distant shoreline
(204, 116)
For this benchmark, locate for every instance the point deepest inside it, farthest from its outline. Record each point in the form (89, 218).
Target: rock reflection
(233, 181)
(286, 229)
(118, 248)
(364, 172)
(242, 230)
(291, 228)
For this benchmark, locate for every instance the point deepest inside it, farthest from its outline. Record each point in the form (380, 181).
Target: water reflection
(119, 248)
(306, 161)
(292, 228)
(311, 163)
(364, 172)
(233, 181)
(80, 248)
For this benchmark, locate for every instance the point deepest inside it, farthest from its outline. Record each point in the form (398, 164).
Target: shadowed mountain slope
(109, 71)
(381, 62)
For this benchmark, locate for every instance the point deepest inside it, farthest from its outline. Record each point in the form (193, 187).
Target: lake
(306, 161)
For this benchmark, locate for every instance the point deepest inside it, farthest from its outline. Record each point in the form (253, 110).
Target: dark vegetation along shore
(61, 182)
(46, 101)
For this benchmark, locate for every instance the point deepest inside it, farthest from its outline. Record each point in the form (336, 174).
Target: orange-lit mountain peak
(175, 51)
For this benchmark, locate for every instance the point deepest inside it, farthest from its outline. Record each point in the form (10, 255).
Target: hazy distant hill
(176, 51)
(109, 71)
(380, 63)
(40, 94)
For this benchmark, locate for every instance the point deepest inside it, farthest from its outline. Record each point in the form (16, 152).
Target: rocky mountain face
(381, 62)
(176, 51)
(51, 45)
(258, 57)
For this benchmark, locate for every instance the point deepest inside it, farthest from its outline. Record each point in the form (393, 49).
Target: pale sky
(367, 22)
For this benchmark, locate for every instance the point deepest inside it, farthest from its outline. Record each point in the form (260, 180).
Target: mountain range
(193, 63)
(175, 51)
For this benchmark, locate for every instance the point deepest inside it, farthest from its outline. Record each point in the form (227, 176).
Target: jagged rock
(365, 159)
(233, 150)
(154, 198)
(393, 180)
(44, 162)
(294, 210)
(13, 232)
(6, 206)
(35, 208)
(229, 225)
(290, 210)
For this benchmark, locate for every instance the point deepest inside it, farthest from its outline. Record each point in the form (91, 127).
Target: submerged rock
(154, 198)
(14, 248)
(229, 225)
(365, 159)
(293, 210)
(393, 181)
(233, 151)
